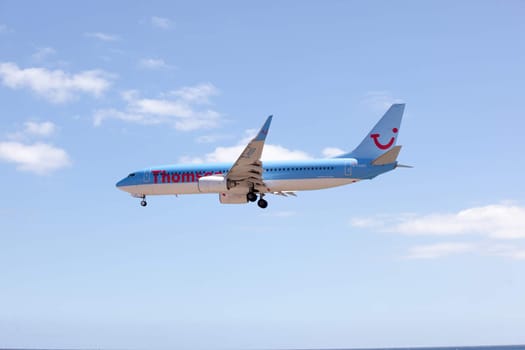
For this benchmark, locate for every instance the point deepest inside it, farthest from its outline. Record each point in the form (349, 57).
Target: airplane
(249, 179)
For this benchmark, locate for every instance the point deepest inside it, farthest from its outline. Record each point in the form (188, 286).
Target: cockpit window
(131, 175)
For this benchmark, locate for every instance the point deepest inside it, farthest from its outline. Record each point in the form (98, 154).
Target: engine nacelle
(233, 198)
(213, 184)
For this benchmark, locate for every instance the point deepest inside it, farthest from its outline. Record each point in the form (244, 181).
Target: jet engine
(213, 184)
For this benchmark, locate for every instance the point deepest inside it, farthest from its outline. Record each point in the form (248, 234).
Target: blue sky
(434, 255)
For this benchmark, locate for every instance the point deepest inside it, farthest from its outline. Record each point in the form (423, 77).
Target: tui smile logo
(379, 145)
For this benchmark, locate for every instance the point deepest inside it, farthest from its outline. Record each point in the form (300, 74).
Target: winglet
(261, 136)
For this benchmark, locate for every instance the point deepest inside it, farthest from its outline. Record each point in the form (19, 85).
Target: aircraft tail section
(388, 157)
(383, 136)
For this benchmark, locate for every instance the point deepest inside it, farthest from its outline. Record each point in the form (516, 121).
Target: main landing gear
(262, 203)
(252, 197)
(142, 198)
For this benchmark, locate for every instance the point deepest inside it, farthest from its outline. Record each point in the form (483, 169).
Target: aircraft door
(147, 173)
(348, 169)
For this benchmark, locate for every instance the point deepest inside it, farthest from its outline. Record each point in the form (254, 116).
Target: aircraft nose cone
(121, 183)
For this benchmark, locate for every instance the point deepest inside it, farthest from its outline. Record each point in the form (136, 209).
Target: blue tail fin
(382, 137)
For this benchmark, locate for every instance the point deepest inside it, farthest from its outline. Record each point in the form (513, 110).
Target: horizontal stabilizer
(388, 157)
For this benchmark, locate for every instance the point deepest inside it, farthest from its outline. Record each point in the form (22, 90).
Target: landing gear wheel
(143, 203)
(252, 197)
(262, 203)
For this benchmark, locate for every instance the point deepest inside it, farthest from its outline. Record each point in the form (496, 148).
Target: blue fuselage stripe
(272, 170)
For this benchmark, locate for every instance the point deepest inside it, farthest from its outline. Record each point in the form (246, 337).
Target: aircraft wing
(247, 170)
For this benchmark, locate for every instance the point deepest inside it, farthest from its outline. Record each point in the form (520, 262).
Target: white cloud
(40, 129)
(380, 100)
(181, 110)
(231, 153)
(161, 107)
(161, 22)
(485, 226)
(56, 86)
(3, 28)
(32, 129)
(276, 152)
(198, 94)
(39, 158)
(201, 120)
(330, 152)
(506, 250)
(487, 248)
(102, 36)
(497, 221)
(432, 251)
(43, 53)
(211, 138)
(270, 152)
(153, 63)
(519, 255)
(111, 113)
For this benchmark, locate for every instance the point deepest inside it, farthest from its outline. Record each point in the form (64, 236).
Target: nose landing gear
(142, 199)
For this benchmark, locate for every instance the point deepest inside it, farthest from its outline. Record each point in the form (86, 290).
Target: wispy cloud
(56, 86)
(42, 53)
(174, 108)
(45, 129)
(211, 138)
(330, 152)
(380, 100)
(34, 129)
(102, 36)
(4, 28)
(485, 226)
(197, 94)
(433, 251)
(231, 153)
(506, 250)
(498, 221)
(486, 248)
(39, 158)
(153, 63)
(161, 22)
